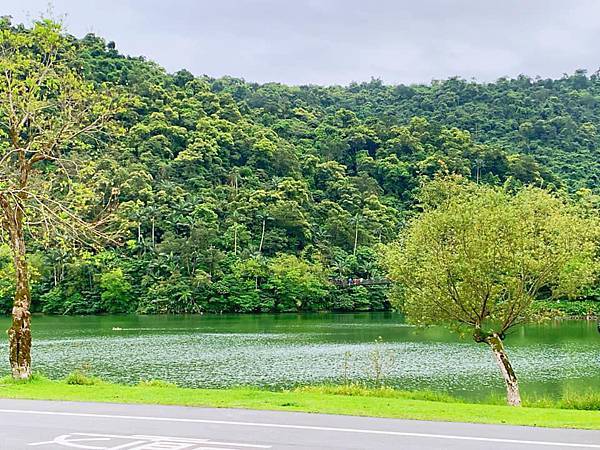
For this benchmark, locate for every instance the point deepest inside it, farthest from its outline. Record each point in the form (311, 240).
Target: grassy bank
(349, 400)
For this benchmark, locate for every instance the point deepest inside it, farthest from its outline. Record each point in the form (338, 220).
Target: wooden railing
(350, 282)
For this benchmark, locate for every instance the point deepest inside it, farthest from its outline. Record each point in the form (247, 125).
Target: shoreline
(345, 400)
(557, 316)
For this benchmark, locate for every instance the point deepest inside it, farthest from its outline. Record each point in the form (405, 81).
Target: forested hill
(235, 196)
(555, 121)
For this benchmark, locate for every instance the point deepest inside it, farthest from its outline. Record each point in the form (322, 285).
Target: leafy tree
(46, 108)
(209, 181)
(477, 257)
(297, 284)
(116, 292)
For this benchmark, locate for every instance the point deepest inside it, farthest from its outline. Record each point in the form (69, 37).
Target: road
(44, 425)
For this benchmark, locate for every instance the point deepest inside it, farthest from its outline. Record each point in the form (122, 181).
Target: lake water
(289, 349)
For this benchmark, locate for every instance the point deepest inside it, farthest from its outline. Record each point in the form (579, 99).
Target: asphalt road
(26, 424)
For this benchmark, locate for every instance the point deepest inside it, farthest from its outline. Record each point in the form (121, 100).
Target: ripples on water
(280, 351)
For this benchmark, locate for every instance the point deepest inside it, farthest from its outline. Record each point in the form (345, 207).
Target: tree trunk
(19, 334)
(355, 238)
(153, 238)
(513, 397)
(235, 240)
(262, 236)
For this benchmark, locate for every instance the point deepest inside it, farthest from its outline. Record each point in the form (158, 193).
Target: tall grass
(358, 390)
(587, 400)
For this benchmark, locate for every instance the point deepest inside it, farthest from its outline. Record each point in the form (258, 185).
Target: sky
(340, 41)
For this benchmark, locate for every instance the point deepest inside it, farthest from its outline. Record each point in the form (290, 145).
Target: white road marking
(143, 442)
(199, 441)
(304, 427)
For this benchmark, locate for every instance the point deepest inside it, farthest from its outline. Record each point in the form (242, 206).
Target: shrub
(79, 378)
(116, 293)
(567, 308)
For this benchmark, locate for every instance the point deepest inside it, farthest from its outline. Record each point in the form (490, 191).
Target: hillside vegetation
(231, 196)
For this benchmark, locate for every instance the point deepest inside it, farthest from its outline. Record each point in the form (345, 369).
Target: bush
(58, 301)
(567, 308)
(52, 302)
(360, 298)
(116, 292)
(79, 378)
(297, 284)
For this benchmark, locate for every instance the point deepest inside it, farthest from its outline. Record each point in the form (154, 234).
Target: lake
(294, 349)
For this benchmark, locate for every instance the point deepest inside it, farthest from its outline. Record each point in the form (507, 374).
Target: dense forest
(230, 196)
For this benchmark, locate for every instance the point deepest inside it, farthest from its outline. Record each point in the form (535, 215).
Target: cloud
(339, 41)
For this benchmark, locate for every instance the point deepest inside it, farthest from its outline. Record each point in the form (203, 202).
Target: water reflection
(286, 350)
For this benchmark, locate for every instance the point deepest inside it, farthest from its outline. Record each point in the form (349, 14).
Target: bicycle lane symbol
(93, 441)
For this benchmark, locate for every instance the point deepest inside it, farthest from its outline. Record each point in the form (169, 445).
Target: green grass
(351, 400)
(589, 401)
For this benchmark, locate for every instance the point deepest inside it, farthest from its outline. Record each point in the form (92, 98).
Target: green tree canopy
(477, 257)
(202, 175)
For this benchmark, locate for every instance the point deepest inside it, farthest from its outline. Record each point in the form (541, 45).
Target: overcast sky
(339, 41)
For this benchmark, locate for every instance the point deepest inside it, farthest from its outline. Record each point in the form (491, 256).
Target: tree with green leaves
(477, 257)
(210, 173)
(47, 110)
(296, 283)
